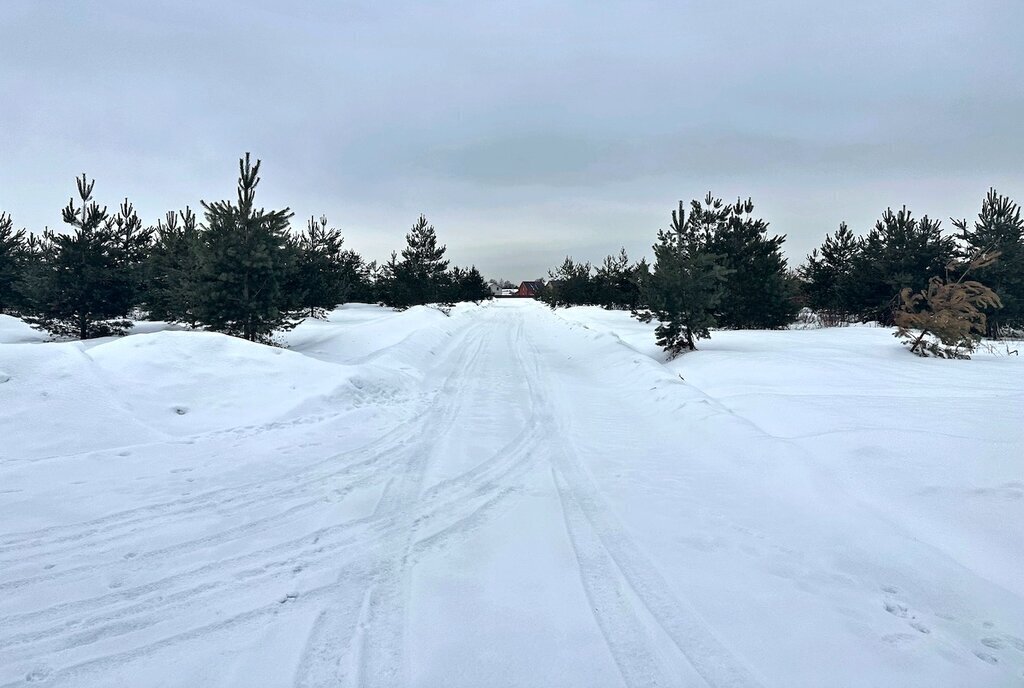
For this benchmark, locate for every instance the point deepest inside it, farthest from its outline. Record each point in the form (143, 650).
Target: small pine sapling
(946, 319)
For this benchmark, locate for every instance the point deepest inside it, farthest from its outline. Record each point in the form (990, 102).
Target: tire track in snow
(242, 530)
(483, 482)
(377, 656)
(236, 496)
(94, 625)
(677, 619)
(625, 634)
(120, 596)
(333, 636)
(354, 577)
(382, 645)
(362, 554)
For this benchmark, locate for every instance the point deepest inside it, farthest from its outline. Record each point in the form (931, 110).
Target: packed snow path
(503, 497)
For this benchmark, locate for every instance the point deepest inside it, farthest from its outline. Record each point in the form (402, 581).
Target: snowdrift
(15, 331)
(360, 333)
(931, 444)
(54, 400)
(190, 382)
(73, 397)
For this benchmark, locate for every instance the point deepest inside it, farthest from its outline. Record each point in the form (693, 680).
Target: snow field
(507, 496)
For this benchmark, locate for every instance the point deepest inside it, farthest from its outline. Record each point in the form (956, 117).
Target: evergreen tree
(614, 283)
(172, 269)
(34, 276)
(419, 277)
(84, 289)
(134, 244)
(12, 265)
(686, 284)
(639, 276)
(900, 252)
(948, 318)
(246, 259)
(467, 285)
(758, 293)
(371, 287)
(999, 228)
(827, 275)
(571, 284)
(327, 274)
(397, 285)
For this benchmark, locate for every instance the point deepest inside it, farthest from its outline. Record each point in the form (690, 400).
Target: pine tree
(12, 265)
(827, 275)
(424, 260)
(419, 277)
(246, 259)
(900, 252)
(84, 290)
(172, 269)
(947, 319)
(371, 287)
(35, 272)
(614, 285)
(327, 274)
(451, 286)
(134, 244)
(467, 285)
(397, 284)
(758, 293)
(571, 284)
(687, 283)
(999, 228)
(639, 276)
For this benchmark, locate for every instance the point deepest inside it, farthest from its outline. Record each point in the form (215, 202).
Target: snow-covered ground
(507, 497)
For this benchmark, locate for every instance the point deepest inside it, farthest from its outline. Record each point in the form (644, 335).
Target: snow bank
(54, 401)
(398, 340)
(189, 382)
(824, 482)
(164, 381)
(15, 331)
(933, 445)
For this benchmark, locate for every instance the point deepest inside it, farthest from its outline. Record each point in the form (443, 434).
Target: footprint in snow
(38, 674)
(896, 609)
(898, 639)
(992, 643)
(985, 657)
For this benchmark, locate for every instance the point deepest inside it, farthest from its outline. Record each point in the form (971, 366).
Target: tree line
(717, 265)
(240, 270)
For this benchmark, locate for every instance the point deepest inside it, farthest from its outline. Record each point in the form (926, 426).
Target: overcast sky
(523, 130)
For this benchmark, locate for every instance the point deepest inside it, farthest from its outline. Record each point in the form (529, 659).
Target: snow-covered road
(505, 497)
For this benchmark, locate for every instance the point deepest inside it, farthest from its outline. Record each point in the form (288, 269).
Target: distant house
(508, 292)
(529, 289)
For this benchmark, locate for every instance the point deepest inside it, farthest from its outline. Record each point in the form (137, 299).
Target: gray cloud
(524, 130)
